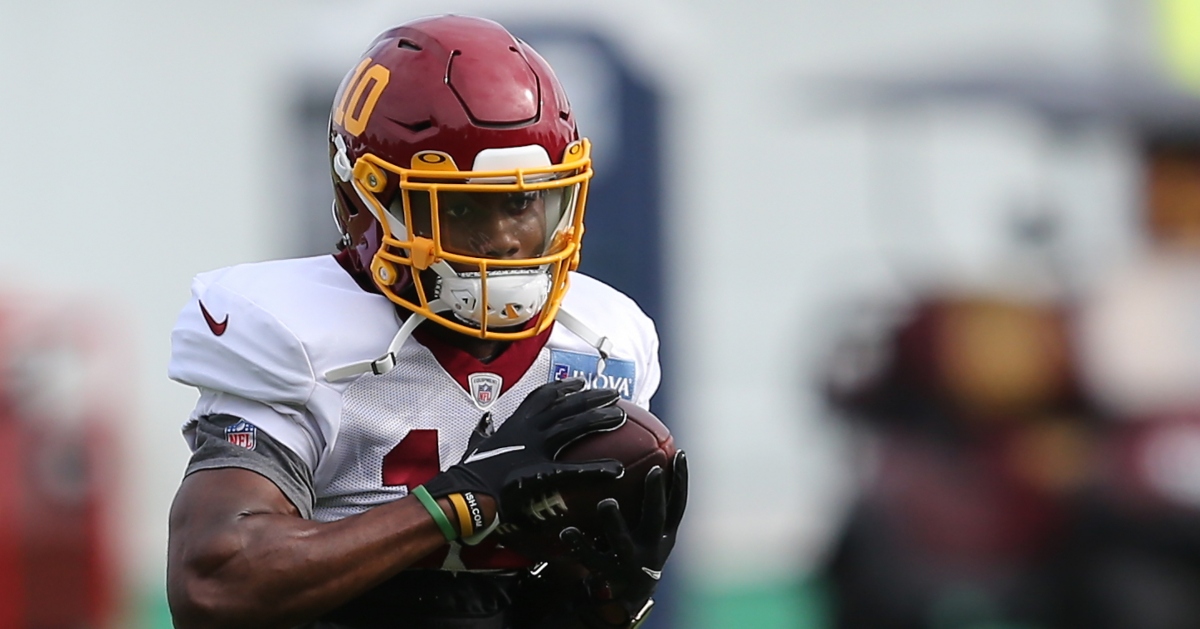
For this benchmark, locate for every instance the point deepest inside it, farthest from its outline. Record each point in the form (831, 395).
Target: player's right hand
(631, 563)
(518, 460)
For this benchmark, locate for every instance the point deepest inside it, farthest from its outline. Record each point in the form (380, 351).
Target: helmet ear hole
(345, 202)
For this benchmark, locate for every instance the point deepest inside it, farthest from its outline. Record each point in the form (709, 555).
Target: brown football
(641, 443)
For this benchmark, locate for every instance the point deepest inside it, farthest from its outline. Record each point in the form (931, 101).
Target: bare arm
(240, 555)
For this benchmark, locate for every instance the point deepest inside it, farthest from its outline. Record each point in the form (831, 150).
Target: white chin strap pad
(514, 296)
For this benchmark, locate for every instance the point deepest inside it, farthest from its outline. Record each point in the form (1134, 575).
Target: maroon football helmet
(447, 127)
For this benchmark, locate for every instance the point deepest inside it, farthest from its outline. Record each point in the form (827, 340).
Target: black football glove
(626, 566)
(513, 463)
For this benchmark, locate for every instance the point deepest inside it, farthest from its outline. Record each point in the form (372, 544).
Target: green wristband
(435, 510)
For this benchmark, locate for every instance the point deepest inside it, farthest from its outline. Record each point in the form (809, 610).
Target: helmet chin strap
(602, 343)
(387, 362)
(384, 363)
(341, 161)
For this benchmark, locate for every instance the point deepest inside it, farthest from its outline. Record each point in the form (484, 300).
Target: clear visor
(507, 225)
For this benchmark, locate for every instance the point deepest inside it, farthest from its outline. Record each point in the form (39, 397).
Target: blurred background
(927, 276)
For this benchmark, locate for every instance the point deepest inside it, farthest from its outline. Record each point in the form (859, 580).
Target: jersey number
(415, 460)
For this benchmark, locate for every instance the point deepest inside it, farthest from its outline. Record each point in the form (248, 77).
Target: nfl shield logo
(485, 388)
(561, 371)
(242, 433)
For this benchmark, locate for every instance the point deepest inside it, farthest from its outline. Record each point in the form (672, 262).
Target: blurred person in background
(62, 392)
(1034, 464)
(1139, 340)
(978, 447)
(367, 419)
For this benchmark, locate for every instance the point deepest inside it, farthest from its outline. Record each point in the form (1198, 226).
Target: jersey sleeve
(224, 341)
(612, 314)
(650, 368)
(641, 342)
(293, 428)
(246, 363)
(224, 441)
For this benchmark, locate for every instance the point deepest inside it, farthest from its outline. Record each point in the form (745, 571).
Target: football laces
(547, 506)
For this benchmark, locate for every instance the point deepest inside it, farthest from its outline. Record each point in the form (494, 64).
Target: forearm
(278, 570)
(270, 569)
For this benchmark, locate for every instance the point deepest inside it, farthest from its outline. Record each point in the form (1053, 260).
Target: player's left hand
(626, 568)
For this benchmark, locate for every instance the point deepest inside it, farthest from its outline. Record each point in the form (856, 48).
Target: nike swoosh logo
(487, 454)
(217, 328)
(654, 574)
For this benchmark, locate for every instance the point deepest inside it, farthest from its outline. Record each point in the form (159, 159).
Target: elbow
(196, 604)
(199, 603)
(207, 590)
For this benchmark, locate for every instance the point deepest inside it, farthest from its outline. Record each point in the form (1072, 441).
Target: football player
(367, 419)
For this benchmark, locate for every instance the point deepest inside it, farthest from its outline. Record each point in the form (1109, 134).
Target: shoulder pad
(225, 341)
(613, 315)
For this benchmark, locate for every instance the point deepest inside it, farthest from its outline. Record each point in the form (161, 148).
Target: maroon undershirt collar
(510, 365)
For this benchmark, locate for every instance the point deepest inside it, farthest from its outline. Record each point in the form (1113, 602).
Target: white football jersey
(257, 339)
